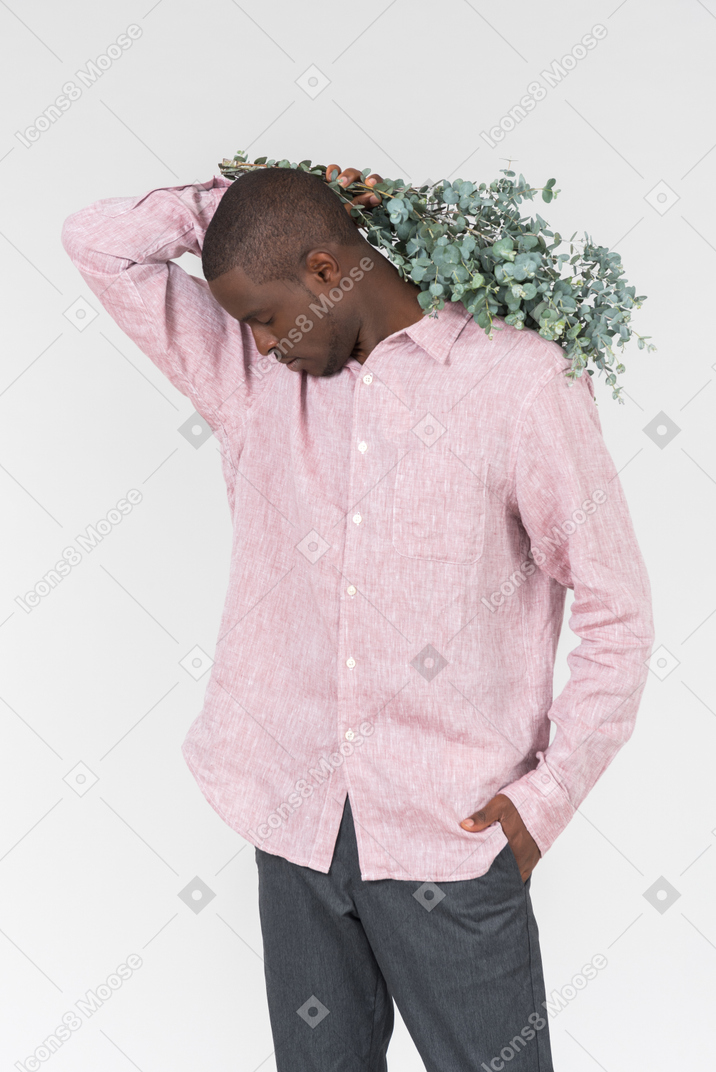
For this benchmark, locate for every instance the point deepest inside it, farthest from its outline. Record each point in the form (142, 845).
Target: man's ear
(323, 267)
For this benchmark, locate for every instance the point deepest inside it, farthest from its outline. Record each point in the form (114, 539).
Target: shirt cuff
(543, 804)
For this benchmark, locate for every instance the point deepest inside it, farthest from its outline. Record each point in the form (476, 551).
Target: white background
(92, 674)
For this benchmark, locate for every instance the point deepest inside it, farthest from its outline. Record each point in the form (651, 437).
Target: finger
(373, 199)
(345, 178)
(369, 200)
(348, 176)
(480, 820)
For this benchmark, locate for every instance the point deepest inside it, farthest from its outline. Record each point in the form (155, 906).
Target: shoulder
(526, 347)
(518, 364)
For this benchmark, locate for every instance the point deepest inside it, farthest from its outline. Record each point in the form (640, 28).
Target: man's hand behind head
(345, 178)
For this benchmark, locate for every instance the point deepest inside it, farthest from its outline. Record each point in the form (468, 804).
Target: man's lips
(296, 364)
(287, 363)
(283, 361)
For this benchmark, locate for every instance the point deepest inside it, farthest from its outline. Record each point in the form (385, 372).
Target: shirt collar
(437, 334)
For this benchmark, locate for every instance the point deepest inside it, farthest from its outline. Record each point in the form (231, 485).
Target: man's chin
(312, 365)
(334, 365)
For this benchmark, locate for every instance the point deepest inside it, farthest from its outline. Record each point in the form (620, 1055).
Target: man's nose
(265, 341)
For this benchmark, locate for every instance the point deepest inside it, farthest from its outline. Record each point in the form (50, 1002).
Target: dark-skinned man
(410, 500)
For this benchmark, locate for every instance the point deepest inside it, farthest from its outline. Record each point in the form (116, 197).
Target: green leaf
(503, 248)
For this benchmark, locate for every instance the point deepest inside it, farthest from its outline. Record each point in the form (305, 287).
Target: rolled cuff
(543, 804)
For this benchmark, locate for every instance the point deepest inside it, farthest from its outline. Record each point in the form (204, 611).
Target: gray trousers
(460, 959)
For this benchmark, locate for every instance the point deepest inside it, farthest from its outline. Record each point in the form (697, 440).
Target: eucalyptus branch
(460, 241)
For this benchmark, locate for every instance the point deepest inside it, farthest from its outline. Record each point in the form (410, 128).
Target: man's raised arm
(124, 248)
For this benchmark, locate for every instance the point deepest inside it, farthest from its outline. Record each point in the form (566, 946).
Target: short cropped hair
(269, 219)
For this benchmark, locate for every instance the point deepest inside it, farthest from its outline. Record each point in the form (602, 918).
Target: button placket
(348, 606)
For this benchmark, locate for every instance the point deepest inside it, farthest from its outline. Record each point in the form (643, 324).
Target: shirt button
(362, 447)
(357, 519)
(368, 378)
(349, 735)
(350, 662)
(351, 589)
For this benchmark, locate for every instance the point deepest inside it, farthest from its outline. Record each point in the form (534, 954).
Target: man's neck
(391, 306)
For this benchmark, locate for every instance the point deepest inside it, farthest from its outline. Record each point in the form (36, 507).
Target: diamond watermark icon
(196, 662)
(313, 81)
(661, 662)
(429, 895)
(81, 314)
(543, 781)
(662, 198)
(429, 662)
(313, 546)
(313, 1011)
(80, 778)
(661, 895)
(196, 430)
(661, 430)
(196, 895)
(429, 430)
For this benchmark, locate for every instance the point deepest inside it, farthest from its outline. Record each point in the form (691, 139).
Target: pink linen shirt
(404, 534)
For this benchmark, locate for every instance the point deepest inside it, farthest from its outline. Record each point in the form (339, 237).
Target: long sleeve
(573, 509)
(124, 248)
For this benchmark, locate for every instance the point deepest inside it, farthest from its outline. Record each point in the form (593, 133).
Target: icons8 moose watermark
(540, 550)
(303, 324)
(73, 554)
(557, 1001)
(71, 91)
(70, 1022)
(536, 91)
(316, 775)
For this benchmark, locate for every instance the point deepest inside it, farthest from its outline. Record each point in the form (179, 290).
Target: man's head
(279, 242)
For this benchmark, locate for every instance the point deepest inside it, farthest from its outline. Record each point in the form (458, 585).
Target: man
(410, 501)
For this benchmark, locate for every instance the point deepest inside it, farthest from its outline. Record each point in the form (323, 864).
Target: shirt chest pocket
(439, 505)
